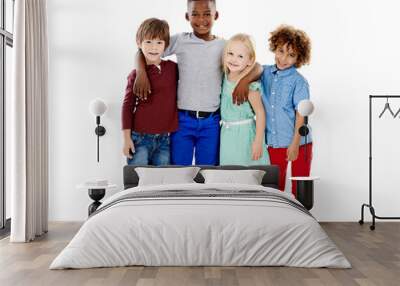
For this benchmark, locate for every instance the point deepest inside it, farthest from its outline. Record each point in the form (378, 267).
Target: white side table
(96, 193)
(305, 190)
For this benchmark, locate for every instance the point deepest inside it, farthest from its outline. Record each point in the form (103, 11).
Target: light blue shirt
(282, 92)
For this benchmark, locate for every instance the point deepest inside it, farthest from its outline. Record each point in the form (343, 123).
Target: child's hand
(292, 152)
(141, 87)
(241, 92)
(256, 150)
(128, 145)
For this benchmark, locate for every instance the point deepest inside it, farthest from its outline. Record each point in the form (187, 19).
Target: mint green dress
(237, 140)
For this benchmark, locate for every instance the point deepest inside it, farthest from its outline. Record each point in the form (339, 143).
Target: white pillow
(248, 177)
(165, 176)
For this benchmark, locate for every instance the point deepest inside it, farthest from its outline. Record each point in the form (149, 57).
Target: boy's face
(152, 50)
(285, 57)
(237, 57)
(201, 14)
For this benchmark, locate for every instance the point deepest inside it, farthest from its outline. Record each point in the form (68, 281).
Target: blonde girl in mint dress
(243, 126)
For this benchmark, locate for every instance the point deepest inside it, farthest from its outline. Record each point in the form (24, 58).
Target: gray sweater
(200, 71)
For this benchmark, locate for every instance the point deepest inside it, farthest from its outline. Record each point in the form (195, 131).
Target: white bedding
(200, 231)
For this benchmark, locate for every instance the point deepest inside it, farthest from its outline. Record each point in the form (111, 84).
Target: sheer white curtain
(28, 116)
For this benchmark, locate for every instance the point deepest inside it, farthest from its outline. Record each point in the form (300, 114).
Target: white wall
(355, 53)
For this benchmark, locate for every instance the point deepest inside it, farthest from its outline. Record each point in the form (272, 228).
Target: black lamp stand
(303, 131)
(100, 131)
(96, 195)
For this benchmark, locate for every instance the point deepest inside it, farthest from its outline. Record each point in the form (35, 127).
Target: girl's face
(152, 50)
(285, 57)
(237, 57)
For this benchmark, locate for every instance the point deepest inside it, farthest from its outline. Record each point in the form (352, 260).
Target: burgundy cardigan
(159, 113)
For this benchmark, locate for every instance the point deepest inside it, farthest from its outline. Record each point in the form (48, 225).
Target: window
(6, 44)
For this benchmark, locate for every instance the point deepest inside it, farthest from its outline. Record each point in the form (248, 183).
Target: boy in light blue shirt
(283, 88)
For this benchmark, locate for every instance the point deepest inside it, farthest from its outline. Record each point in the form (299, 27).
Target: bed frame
(270, 179)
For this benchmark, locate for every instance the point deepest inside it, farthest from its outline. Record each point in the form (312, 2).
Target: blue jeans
(198, 136)
(150, 149)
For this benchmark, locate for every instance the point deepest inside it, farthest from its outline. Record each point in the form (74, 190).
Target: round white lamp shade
(97, 107)
(306, 107)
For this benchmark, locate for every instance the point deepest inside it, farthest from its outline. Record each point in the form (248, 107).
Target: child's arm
(128, 143)
(258, 107)
(142, 85)
(241, 91)
(127, 116)
(293, 149)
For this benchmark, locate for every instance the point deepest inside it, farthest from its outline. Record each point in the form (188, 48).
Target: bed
(201, 223)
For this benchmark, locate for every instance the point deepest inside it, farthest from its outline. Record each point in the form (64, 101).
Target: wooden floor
(374, 255)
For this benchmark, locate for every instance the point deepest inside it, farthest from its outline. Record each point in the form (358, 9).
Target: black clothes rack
(370, 205)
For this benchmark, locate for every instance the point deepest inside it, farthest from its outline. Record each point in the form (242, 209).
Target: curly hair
(295, 39)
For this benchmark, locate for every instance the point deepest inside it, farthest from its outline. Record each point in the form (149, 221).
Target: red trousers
(300, 167)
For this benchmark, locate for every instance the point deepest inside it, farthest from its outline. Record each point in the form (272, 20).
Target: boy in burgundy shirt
(146, 124)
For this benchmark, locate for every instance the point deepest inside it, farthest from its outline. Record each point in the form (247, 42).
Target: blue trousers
(196, 136)
(150, 149)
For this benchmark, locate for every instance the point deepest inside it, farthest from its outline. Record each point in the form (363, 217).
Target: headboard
(270, 179)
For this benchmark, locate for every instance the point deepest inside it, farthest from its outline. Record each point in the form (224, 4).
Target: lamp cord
(98, 145)
(305, 148)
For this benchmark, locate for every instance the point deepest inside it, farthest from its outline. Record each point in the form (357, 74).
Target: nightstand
(96, 193)
(305, 190)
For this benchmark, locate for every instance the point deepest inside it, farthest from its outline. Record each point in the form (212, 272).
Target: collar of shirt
(285, 72)
(154, 68)
(193, 36)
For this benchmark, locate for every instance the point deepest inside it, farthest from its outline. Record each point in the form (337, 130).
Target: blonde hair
(245, 40)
